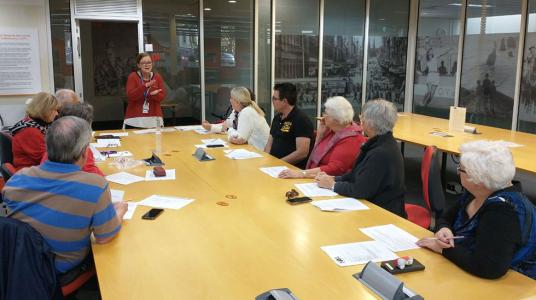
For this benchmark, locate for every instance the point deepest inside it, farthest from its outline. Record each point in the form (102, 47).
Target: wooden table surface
(415, 129)
(258, 242)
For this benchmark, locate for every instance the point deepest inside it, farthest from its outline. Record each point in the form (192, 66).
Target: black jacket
(26, 263)
(377, 176)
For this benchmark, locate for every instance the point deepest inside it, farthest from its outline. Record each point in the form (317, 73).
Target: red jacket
(135, 95)
(89, 167)
(28, 147)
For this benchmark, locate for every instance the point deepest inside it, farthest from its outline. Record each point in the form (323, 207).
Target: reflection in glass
(489, 61)
(172, 27)
(264, 90)
(387, 50)
(62, 49)
(344, 26)
(436, 58)
(228, 52)
(296, 49)
(527, 99)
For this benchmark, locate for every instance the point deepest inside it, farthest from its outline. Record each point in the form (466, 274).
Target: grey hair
(65, 96)
(380, 114)
(340, 109)
(81, 110)
(489, 163)
(67, 139)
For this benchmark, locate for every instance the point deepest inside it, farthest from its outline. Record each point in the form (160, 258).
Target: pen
(449, 238)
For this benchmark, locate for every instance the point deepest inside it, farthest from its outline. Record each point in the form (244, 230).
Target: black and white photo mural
(527, 99)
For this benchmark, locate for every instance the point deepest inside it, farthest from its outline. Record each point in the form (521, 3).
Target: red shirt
(136, 96)
(28, 146)
(341, 158)
(89, 167)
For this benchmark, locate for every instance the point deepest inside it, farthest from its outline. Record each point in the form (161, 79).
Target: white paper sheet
(273, 171)
(97, 156)
(204, 146)
(342, 204)
(312, 190)
(392, 237)
(358, 253)
(124, 178)
(114, 133)
(120, 154)
(165, 202)
(241, 154)
(213, 141)
(170, 175)
(153, 130)
(189, 127)
(107, 143)
(130, 211)
(201, 131)
(117, 195)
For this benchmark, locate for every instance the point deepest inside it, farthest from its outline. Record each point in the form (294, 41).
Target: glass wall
(264, 69)
(436, 58)
(489, 61)
(228, 52)
(62, 49)
(172, 27)
(344, 27)
(527, 99)
(387, 51)
(296, 49)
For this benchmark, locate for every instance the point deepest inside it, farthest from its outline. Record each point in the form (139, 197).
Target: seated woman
(83, 111)
(28, 143)
(246, 123)
(378, 174)
(338, 142)
(489, 220)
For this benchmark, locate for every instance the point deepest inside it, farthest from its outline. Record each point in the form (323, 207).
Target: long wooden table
(415, 129)
(258, 242)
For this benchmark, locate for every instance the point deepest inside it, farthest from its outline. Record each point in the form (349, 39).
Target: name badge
(145, 107)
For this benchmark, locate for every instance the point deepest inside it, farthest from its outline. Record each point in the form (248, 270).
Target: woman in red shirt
(28, 143)
(145, 92)
(338, 142)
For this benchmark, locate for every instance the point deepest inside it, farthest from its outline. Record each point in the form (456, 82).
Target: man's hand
(324, 180)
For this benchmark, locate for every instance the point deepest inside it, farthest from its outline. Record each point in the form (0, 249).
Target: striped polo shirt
(65, 205)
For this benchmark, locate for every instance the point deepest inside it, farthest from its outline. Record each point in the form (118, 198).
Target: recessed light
(232, 1)
(207, 8)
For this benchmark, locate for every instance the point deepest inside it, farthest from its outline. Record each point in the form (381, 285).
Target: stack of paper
(342, 204)
(358, 253)
(312, 190)
(241, 154)
(124, 178)
(392, 237)
(107, 143)
(120, 154)
(165, 202)
(189, 128)
(170, 175)
(273, 171)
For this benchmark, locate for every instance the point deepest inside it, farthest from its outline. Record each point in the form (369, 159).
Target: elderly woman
(484, 233)
(338, 142)
(145, 92)
(378, 174)
(246, 123)
(28, 143)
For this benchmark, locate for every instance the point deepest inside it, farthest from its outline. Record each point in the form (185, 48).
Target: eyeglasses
(460, 170)
(146, 63)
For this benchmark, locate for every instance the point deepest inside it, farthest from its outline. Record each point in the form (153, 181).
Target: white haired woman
(246, 123)
(338, 142)
(486, 232)
(378, 174)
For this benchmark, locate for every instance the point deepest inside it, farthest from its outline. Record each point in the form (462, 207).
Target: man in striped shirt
(62, 202)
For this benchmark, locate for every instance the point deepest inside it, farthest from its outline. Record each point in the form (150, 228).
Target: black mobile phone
(152, 214)
(299, 200)
(215, 145)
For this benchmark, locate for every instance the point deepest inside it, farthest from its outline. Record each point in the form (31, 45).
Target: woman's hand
(324, 180)
(288, 173)
(206, 125)
(150, 83)
(445, 237)
(431, 244)
(237, 140)
(155, 92)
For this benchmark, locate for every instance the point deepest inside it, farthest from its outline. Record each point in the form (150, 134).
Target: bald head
(66, 96)
(67, 139)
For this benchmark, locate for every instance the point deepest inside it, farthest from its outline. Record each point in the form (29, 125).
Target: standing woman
(28, 143)
(145, 92)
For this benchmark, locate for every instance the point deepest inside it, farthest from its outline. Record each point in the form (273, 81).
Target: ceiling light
(207, 8)
(232, 1)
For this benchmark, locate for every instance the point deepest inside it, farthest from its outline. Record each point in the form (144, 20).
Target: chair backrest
(433, 193)
(6, 152)
(7, 170)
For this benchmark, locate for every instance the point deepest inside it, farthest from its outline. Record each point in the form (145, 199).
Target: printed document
(114, 133)
(358, 253)
(124, 178)
(117, 195)
(342, 204)
(273, 171)
(312, 190)
(241, 154)
(165, 202)
(393, 237)
(189, 128)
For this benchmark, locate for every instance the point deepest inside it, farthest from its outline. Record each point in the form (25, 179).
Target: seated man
(62, 202)
(378, 174)
(291, 132)
(66, 96)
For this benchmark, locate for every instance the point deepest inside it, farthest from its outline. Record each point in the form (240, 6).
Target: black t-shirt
(285, 131)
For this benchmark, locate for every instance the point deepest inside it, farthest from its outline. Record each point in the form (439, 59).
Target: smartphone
(152, 214)
(299, 200)
(215, 145)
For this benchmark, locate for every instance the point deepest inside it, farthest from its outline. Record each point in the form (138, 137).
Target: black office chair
(6, 152)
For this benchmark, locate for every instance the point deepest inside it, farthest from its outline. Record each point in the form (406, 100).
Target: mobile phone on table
(299, 200)
(152, 214)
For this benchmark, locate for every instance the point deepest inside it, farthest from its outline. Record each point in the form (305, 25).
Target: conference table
(417, 129)
(257, 242)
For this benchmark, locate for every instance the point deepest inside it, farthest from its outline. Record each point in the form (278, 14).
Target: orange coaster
(222, 203)
(231, 196)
